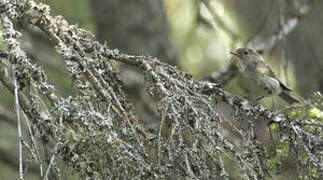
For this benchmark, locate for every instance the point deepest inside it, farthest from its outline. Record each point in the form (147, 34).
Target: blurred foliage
(202, 45)
(75, 11)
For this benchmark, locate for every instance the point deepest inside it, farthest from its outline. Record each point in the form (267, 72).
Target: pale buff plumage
(256, 77)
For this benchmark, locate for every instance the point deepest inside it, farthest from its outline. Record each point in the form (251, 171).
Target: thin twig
(37, 158)
(188, 166)
(52, 160)
(21, 173)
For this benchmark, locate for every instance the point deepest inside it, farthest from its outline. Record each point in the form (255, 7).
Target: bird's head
(246, 55)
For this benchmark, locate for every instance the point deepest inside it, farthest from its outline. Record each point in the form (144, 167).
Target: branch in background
(283, 61)
(218, 20)
(287, 28)
(224, 75)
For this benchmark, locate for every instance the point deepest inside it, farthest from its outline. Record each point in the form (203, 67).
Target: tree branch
(97, 132)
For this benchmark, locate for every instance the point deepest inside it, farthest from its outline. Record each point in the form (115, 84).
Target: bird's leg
(274, 103)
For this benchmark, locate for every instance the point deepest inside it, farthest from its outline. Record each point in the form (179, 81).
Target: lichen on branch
(97, 133)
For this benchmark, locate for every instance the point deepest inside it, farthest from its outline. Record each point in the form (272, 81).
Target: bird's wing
(272, 74)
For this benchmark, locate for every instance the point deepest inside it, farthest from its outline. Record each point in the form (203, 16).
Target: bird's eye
(246, 52)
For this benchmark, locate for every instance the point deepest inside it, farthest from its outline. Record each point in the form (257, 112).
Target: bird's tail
(287, 97)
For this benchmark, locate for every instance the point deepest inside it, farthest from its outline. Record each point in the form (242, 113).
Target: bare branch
(287, 28)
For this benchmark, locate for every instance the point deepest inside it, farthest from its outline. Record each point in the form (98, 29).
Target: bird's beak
(234, 53)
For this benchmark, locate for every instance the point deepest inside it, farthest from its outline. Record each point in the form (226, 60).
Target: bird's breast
(253, 87)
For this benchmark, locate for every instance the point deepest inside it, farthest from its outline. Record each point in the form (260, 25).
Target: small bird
(256, 77)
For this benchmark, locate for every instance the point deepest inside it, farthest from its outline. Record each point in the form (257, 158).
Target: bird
(257, 78)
